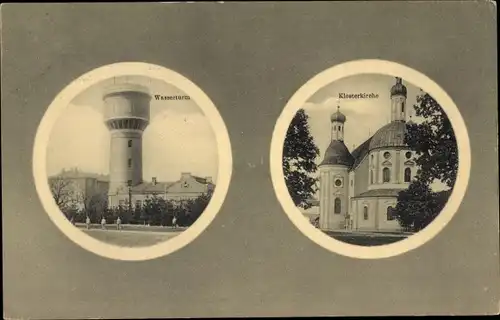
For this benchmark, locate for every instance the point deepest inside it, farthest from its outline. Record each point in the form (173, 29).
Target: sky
(363, 116)
(179, 137)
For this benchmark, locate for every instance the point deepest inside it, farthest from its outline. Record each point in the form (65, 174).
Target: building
(126, 113)
(359, 190)
(78, 187)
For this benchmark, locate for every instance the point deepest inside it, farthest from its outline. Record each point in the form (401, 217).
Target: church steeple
(398, 101)
(338, 119)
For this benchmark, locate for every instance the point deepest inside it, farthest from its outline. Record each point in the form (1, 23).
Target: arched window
(130, 143)
(130, 162)
(365, 213)
(339, 128)
(390, 213)
(371, 176)
(337, 206)
(386, 174)
(403, 107)
(407, 175)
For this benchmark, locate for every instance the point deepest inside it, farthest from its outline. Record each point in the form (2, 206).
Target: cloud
(172, 143)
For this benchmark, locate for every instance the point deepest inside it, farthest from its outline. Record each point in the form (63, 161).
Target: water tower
(126, 115)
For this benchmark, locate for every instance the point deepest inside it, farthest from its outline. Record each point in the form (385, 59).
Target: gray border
(249, 59)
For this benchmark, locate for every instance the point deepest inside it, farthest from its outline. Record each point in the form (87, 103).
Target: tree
(434, 142)
(93, 205)
(418, 206)
(63, 192)
(436, 149)
(196, 207)
(155, 210)
(299, 155)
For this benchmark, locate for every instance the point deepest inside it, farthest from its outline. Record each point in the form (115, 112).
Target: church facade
(358, 190)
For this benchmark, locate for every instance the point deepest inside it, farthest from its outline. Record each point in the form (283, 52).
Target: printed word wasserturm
(160, 97)
(358, 95)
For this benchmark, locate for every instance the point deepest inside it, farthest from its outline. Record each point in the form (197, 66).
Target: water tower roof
(125, 87)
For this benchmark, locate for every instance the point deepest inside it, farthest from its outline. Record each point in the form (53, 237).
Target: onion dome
(399, 88)
(337, 153)
(338, 116)
(390, 135)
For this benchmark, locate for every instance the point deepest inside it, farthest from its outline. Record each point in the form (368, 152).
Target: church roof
(337, 153)
(360, 152)
(390, 135)
(338, 116)
(399, 88)
(379, 193)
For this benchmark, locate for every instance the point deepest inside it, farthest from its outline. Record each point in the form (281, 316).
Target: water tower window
(130, 143)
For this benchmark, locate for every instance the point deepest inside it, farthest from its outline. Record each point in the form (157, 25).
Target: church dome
(399, 88)
(338, 116)
(337, 153)
(390, 135)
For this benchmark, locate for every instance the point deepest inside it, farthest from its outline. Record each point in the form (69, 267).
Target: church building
(358, 190)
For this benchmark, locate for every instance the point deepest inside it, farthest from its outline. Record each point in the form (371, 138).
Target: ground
(366, 238)
(131, 236)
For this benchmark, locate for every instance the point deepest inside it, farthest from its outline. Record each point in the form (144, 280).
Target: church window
(337, 206)
(365, 213)
(371, 176)
(407, 175)
(334, 128)
(408, 155)
(403, 107)
(390, 214)
(387, 155)
(352, 182)
(338, 182)
(339, 128)
(386, 175)
(130, 143)
(129, 162)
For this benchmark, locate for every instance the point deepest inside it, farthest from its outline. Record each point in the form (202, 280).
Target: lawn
(130, 238)
(366, 239)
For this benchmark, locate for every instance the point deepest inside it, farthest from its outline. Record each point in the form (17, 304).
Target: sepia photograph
(370, 159)
(132, 161)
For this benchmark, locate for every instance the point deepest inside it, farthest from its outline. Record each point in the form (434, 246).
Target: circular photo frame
(331, 169)
(127, 69)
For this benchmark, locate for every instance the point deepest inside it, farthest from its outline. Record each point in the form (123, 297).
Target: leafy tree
(437, 157)
(299, 155)
(196, 207)
(418, 206)
(434, 142)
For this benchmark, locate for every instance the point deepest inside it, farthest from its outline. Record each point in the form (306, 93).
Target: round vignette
(58, 106)
(353, 68)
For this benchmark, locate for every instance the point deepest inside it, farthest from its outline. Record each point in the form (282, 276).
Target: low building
(79, 186)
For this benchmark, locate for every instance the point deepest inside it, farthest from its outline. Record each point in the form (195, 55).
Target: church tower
(334, 177)
(126, 115)
(399, 109)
